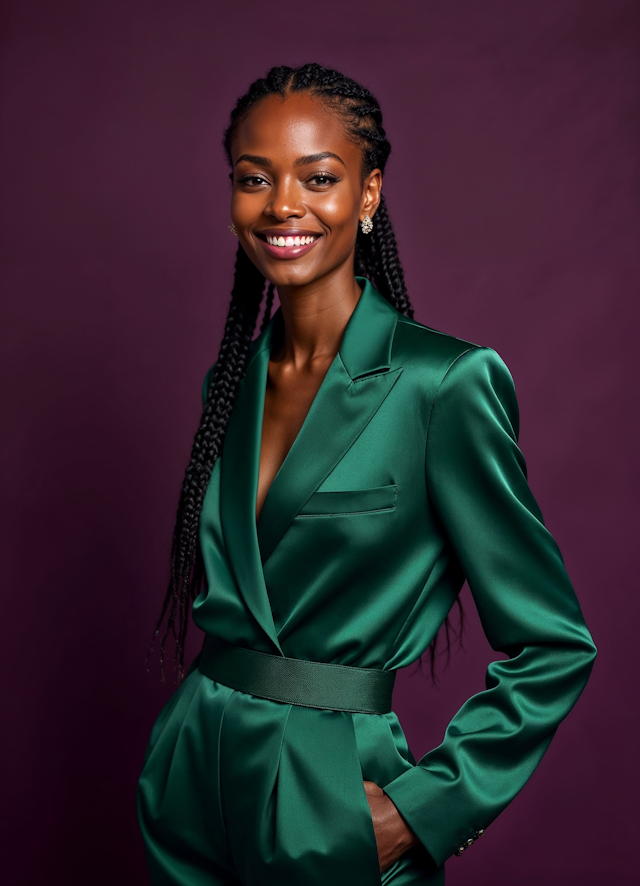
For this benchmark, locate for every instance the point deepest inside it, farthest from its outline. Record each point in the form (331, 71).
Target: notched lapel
(342, 409)
(355, 386)
(351, 393)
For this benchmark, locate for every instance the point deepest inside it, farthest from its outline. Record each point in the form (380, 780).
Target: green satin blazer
(405, 480)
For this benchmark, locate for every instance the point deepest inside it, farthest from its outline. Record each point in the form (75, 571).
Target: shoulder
(417, 344)
(436, 354)
(451, 370)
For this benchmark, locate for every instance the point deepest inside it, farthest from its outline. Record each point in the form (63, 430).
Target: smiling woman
(351, 469)
(312, 191)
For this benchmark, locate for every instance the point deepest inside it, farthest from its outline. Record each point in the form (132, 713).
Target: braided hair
(376, 257)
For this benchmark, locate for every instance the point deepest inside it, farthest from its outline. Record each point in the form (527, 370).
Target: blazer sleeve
(477, 482)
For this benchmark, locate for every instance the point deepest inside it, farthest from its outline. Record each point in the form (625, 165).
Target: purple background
(513, 187)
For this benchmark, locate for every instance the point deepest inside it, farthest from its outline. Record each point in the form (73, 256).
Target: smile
(289, 241)
(288, 245)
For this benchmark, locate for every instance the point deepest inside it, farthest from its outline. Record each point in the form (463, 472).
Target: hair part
(376, 257)
(351, 103)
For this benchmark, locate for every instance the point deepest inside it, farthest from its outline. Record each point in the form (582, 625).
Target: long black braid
(376, 257)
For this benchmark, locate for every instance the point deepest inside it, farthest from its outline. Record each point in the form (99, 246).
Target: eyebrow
(253, 158)
(301, 161)
(314, 158)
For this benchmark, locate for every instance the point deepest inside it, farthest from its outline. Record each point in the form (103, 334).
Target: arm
(476, 477)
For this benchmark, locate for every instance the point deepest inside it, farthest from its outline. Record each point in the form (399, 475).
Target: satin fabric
(405, 480)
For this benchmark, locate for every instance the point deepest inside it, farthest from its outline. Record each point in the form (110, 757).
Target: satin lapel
(238, 489)
(340, 412)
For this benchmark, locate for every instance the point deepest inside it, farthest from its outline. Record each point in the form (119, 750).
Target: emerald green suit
(405, 480)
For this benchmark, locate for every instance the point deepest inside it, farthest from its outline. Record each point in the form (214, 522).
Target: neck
(315, 317)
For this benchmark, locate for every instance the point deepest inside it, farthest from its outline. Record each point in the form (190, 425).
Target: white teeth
(289, 241)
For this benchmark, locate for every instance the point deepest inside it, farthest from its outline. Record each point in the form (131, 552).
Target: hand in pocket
(393, 834)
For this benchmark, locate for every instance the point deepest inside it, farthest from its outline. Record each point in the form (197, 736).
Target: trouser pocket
(319, 831)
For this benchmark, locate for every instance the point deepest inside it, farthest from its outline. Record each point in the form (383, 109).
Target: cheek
(242, 207)
(338, 211)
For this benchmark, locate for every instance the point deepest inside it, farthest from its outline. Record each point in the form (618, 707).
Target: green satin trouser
(237, 789)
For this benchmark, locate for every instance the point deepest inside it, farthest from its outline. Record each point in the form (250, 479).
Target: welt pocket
(351, 501)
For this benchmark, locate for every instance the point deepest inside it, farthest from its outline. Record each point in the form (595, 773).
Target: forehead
(297, 126)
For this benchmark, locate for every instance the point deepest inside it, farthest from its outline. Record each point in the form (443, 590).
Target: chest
(288, 399)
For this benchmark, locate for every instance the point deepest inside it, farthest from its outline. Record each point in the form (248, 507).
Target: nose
(284, 200)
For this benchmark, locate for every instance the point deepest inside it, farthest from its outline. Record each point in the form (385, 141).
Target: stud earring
(367, 225)
(233, 229)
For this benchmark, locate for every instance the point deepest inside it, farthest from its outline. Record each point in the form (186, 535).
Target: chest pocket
(350, 502)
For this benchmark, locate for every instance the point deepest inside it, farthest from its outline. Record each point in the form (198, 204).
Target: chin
(283, 276)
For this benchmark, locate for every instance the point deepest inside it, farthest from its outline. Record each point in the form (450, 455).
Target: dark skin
(296, 173)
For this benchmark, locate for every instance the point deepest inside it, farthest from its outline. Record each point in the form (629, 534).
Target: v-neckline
(286, 459)
(343, 406)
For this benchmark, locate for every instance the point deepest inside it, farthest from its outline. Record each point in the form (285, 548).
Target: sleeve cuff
(421, 800)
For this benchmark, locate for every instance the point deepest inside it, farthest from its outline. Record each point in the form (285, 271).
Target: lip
(287, 252)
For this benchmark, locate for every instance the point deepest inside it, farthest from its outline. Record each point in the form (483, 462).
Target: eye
(323, 179)
(252, 180)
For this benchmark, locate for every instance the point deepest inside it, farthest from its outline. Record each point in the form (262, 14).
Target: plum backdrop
(514, 189)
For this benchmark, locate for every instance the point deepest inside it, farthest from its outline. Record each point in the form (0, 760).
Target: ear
(371, 194)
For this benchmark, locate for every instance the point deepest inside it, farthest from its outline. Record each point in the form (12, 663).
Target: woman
(352, 468)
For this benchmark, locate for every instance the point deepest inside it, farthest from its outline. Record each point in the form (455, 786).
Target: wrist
(405, 838)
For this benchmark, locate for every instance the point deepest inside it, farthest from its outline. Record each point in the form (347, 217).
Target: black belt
(312, 684)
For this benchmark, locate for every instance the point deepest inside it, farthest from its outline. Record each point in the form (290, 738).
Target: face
(298, 192)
